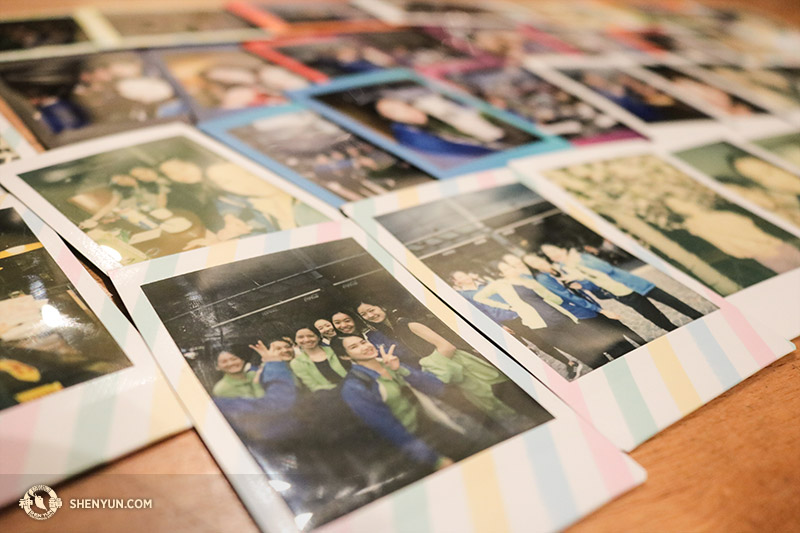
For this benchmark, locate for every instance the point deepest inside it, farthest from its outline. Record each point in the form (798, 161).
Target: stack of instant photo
(407, 265)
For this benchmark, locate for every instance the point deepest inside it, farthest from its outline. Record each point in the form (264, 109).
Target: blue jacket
(280, 389)
(632, 281)
(360, 391)
(581, 308)
(495, 313)
(379, 338)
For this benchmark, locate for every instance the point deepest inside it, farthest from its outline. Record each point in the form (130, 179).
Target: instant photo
(531, 97)
(220, 79)
(568, 300)
(751, 177)
(705, 235)
(306, 16)
(160, 23)
(16, 35)
(69, 360)
(332, 56)
(301, 145)
(777, 88)
(637, 97)
(569, 295)
(67, 99)
(49, 338)
(159, 194)
(451, 13)
(340, 383)
(438, 131)
(714, 97)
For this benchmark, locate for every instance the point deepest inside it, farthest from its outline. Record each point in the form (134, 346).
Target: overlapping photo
(224, 78)
(700, 232)
(572, 297)
(323, 57)
(438, 131)
(305, 147)
(532, 97)
(341, 384)
(68, 99)
(160, 192)
(784, 145)
(49, 338)
(749, 176)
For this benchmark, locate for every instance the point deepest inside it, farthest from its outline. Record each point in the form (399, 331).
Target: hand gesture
(261, 349)
(388, 357)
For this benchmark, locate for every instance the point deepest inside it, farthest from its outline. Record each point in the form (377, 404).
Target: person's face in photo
(181, 171)
(400, 111)
(537, 263)
(514, 262)
(371, 313)
(229, 363)
(123, 180)
(462, 279)
(144, 174)
(506, 270)
(281, 351)
(325, 328)
(344, 323)
(554, 253)
(359, 349)
(306, 339)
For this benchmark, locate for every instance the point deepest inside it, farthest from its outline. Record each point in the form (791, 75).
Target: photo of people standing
(635, 96)
(692, 227)
(49, 338)
(573, 298)
(166, 196)
(63, 100)
(550, 107)
(340, 382)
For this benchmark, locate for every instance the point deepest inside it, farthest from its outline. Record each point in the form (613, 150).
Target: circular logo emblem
(40, 502)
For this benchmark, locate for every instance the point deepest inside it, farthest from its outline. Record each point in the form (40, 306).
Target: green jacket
(229, 387)
(474, 377)
(306, 370)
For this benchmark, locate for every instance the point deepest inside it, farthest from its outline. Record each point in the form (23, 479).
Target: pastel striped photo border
(59, 435)
(541, 480)
(634, 397)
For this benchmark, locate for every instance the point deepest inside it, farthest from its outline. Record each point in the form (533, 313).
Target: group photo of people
(707, 236)
(69, 99)
(555, 110)
(573, 298)
(440, 130)
(342, 385)
(324, 153)
(639, 98)
(164, 197)
(755, 179)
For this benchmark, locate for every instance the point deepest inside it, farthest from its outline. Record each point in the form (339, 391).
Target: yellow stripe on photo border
(674, 375)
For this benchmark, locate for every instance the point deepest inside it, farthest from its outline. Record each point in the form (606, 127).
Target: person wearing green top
(474, 376)
(316, 366)
(236, 382)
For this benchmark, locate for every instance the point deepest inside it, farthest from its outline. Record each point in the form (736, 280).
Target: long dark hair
(387, 327)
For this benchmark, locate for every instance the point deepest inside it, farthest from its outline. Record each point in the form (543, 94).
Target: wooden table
(733, 465)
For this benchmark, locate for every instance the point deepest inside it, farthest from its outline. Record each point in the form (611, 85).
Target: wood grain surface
(733, 465)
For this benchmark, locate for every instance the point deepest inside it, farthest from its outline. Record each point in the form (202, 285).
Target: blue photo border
(548, 143)
(220, 129)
